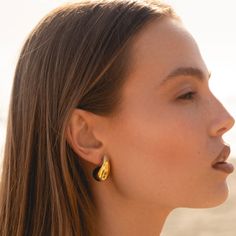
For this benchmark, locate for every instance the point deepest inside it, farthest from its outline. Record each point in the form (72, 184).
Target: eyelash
(187, 96)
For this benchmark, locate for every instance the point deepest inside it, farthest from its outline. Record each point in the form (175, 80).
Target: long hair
(77, 56)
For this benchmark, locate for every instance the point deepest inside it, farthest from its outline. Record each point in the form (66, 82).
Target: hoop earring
(102, 172)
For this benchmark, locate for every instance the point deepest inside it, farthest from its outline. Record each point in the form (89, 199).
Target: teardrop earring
(102, 172)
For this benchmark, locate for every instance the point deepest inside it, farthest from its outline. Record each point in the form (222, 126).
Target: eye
(187, 96)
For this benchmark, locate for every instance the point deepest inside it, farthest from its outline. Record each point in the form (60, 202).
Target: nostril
(226, 127)
(221, 131)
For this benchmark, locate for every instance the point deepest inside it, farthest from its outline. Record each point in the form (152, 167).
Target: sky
(212, 23)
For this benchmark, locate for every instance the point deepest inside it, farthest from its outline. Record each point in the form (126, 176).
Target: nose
(222, 121)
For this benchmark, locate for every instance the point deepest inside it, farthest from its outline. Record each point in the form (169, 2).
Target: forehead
(162, 46)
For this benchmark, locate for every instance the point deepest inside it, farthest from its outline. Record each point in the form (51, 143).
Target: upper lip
(224, 154)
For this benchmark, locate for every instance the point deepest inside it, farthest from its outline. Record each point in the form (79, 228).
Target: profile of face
(169, 131)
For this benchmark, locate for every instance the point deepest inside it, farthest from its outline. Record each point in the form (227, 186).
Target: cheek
(152, 161)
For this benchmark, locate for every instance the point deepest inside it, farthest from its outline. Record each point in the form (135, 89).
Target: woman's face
(163, 142)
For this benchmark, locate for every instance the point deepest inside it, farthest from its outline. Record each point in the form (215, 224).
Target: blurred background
(212, 23)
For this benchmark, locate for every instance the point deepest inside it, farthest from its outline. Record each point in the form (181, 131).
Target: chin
(210, 199)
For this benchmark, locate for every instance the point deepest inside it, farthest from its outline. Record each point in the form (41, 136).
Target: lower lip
(224, 166)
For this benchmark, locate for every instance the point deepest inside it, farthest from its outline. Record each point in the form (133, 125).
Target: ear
(80, 136)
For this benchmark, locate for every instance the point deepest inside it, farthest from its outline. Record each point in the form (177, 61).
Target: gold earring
(101, 173)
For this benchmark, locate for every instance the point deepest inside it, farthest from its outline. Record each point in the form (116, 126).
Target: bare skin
(164, 140)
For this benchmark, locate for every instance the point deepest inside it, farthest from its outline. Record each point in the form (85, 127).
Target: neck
(119, 216)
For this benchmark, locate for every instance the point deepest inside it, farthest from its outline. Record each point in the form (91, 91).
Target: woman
(111, 124)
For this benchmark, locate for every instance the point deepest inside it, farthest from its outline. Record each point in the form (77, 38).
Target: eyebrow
(186, 71)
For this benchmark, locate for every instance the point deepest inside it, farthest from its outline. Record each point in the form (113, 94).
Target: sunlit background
(212, 23)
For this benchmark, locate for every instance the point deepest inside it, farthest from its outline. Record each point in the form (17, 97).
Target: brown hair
(76, 57)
